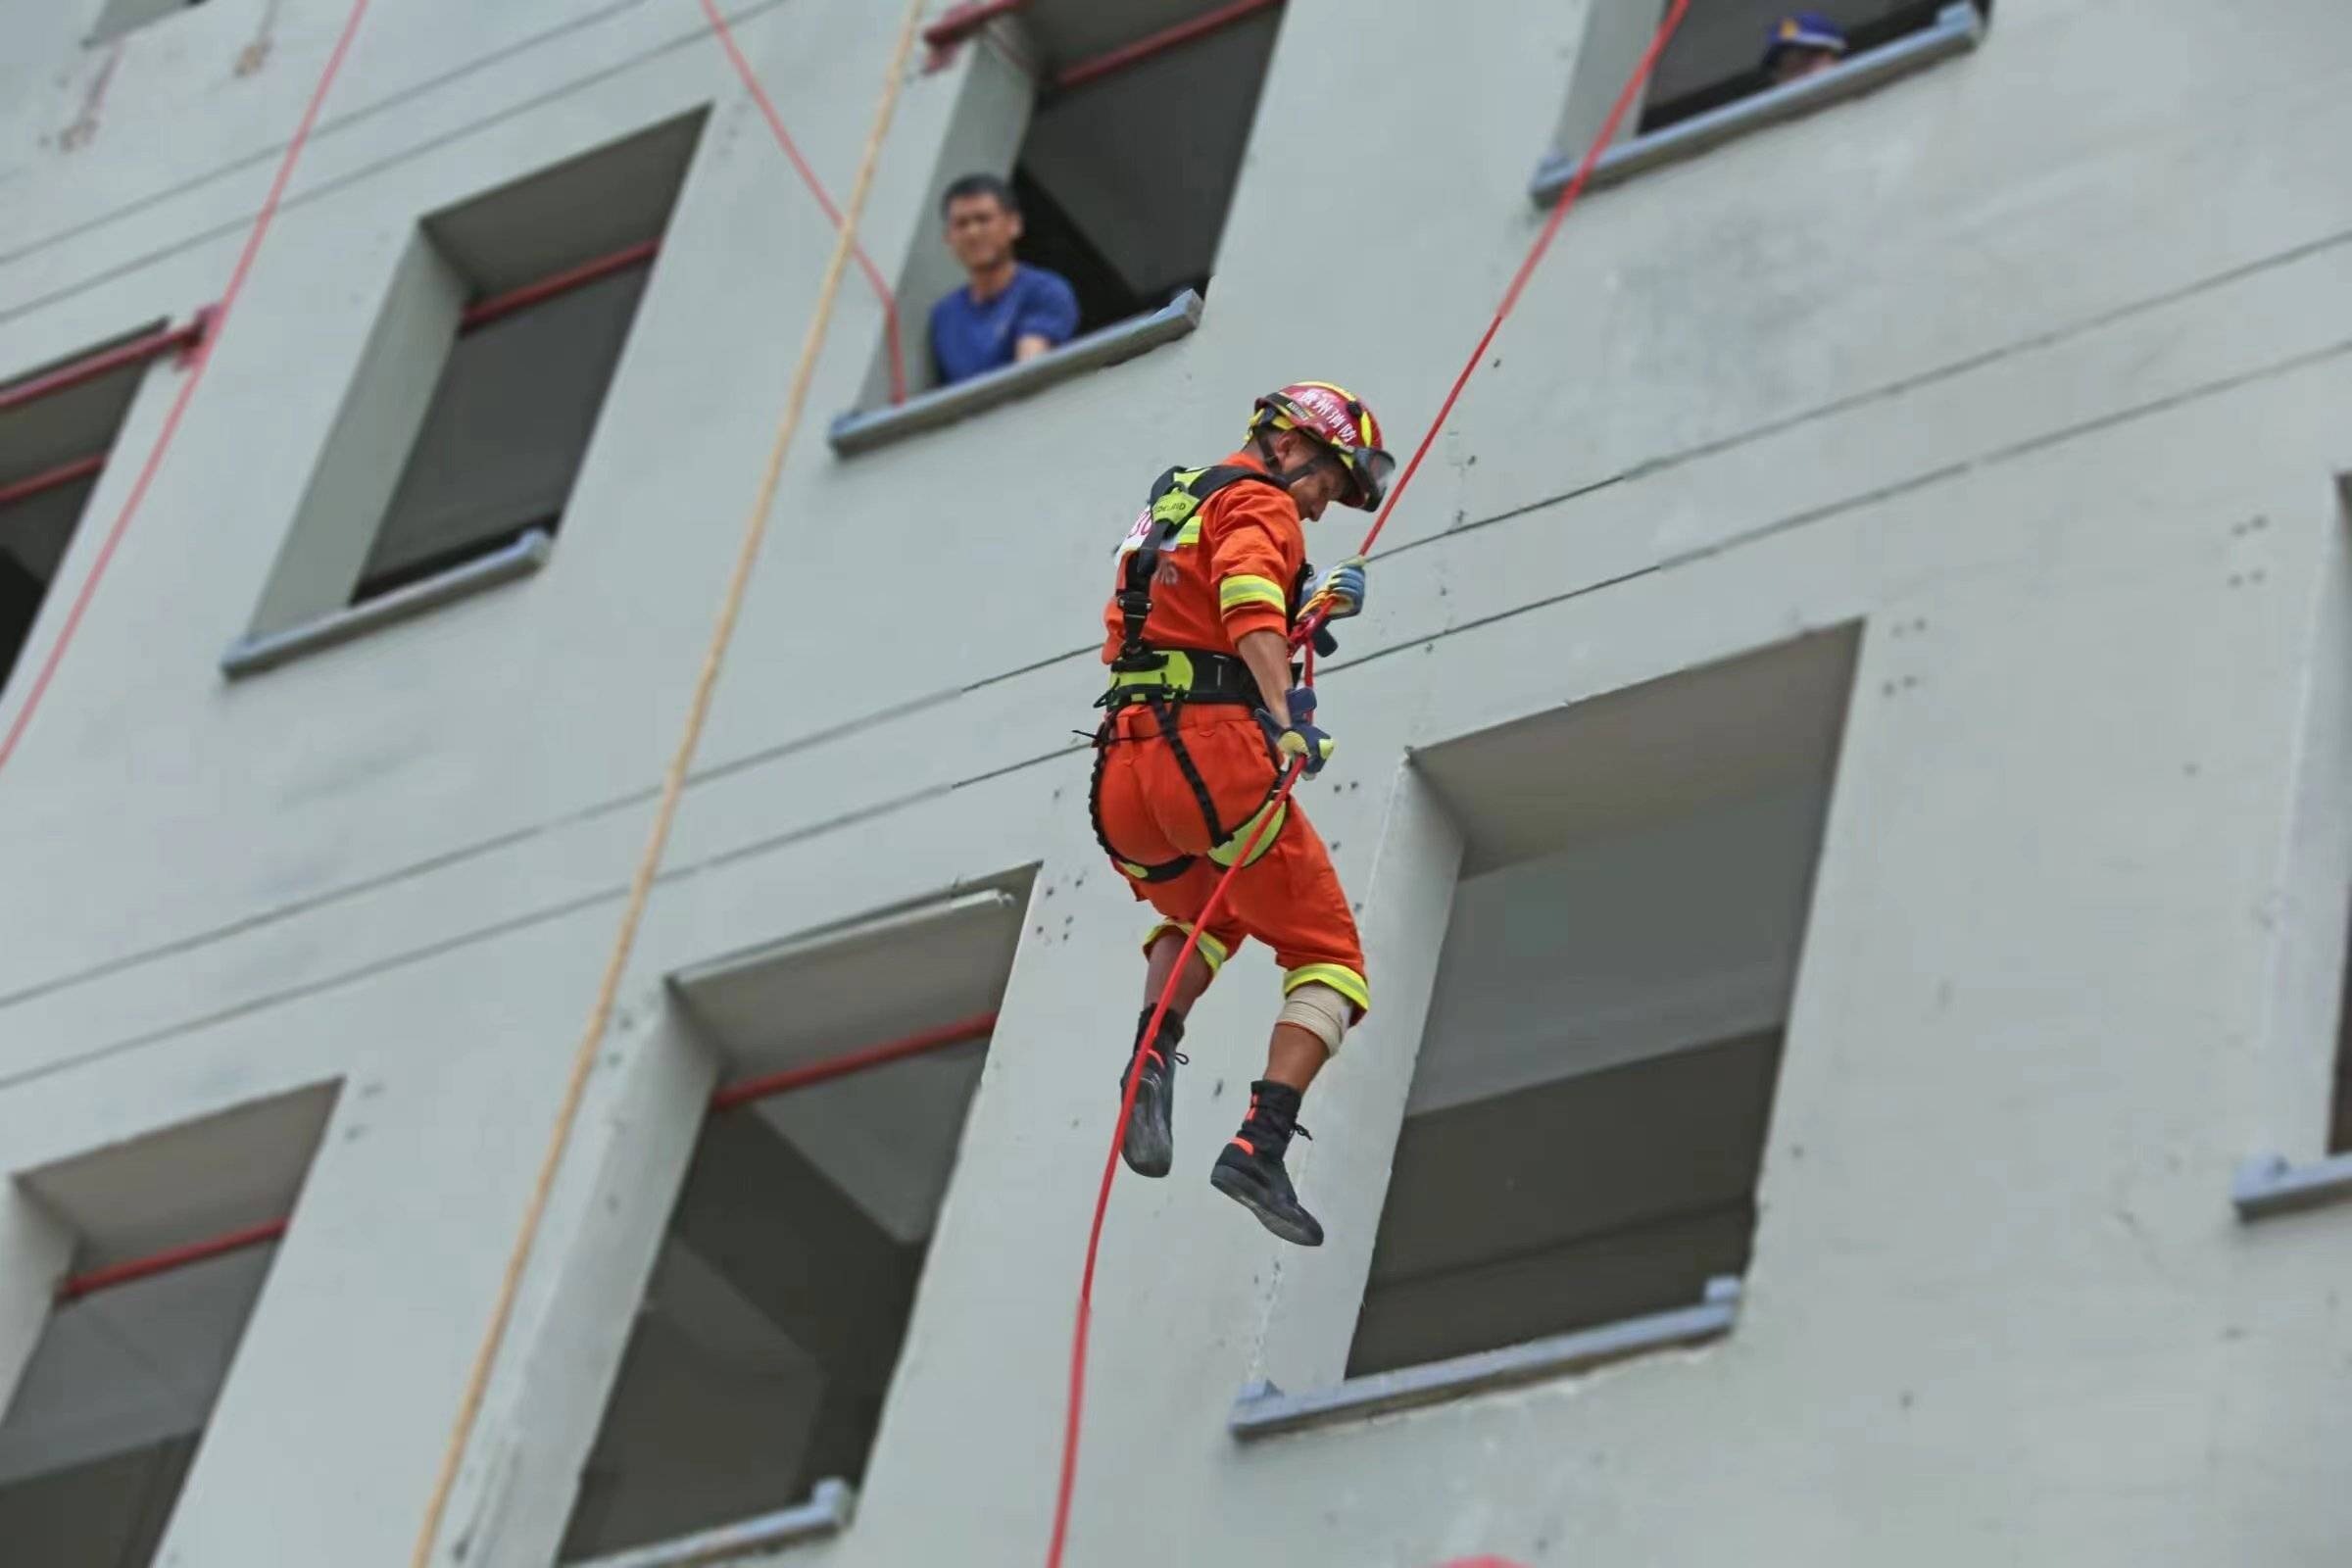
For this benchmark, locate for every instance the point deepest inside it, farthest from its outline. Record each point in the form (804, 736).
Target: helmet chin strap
(1287, 479)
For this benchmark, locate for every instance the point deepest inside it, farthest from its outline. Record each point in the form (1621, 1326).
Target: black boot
(1149, 1144)
(1249, 1169)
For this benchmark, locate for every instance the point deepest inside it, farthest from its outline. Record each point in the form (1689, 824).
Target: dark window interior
(1121, 194)
(1591, 1104)
(517, 399)
(1717, 56)
(766, 1345)
(46, 437)
(98, 1436)
(1568, 1205)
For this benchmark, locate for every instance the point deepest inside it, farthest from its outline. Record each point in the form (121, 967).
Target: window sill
(827, 1512)
(251, 655)
(1263, 1410)
(853, 433)
(1958, 28)
(2268, 1184)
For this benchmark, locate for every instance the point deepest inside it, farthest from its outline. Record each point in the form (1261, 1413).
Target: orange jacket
(1236, 577)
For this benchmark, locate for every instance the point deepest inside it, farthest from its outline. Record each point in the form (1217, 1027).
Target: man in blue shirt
(1010, 311)
(1801, 45)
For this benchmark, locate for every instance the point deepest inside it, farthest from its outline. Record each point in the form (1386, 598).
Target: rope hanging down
(673, 785)
(1075, 1416)
(202, 352)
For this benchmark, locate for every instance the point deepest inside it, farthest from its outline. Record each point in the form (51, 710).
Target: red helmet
(1333, 416)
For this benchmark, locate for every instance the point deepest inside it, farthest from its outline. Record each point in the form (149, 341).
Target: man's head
(1315, 477)
(983, 219)
(1803, 44)
(1323, 444)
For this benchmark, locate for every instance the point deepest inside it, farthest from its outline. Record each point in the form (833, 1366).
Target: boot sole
(1245, 1190)
(1148, 1149)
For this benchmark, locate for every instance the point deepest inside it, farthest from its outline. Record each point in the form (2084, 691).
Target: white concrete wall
(2001, 361)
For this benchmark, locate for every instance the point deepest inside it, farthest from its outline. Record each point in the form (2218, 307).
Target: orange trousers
(1148, 815)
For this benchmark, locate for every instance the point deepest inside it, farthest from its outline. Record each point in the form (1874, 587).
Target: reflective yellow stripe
(1189, 534)
(1212, 950)
(1175, 672)
(1130, 869)
(1345, 981)
(1224, 853)
(1239, 590)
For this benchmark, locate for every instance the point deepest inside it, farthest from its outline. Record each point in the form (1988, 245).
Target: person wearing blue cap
(1803, 44)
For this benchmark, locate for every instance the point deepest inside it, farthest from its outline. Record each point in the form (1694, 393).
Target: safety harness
(1164, 679)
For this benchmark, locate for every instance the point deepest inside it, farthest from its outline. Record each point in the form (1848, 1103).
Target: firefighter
(1203, 719)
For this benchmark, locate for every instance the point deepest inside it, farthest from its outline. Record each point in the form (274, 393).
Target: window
(1587, 1113)
(454, 456)
(756, 1374)
(1717, 57)
(2339, 1118)
(174, 1237)
(57, 426)
(2306, 1082)
(1123, 199)
(1727, 71)
(117, 17)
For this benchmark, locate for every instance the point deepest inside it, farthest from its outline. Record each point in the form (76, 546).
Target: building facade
(1843, 770)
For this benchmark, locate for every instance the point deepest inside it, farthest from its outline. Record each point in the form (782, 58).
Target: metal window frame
(2272, 1184)
(829, 1510)
(252, 653)
(1956, 30)
(1263, 1410)
(865, 431)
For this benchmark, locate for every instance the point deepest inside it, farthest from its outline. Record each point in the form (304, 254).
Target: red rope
(202, 352)
(1110, 1165)
(1073, 1418)
(817, 188)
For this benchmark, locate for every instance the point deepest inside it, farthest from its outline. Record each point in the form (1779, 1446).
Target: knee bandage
(1319, 1010)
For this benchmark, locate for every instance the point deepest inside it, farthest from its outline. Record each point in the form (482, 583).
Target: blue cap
(1804, 29)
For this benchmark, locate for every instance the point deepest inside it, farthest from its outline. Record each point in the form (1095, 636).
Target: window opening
(763, 1351)
(473, 404)
(2339, 1119)
(57, 428)
(1727, 50)
(1133, 198)
(1587, 1114)
(1121, 200)
(120, 17)
(105, 1421)
(555, 269)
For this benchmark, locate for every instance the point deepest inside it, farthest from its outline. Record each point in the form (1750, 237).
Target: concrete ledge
(857, 433)
(1262, 1410)
(1957, 29)
(2268, 1184)
(250, 655)
(827, 1512)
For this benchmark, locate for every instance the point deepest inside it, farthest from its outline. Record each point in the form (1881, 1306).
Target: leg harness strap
(1225, 848)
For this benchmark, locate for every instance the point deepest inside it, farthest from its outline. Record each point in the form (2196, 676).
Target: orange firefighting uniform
(1238, 569)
